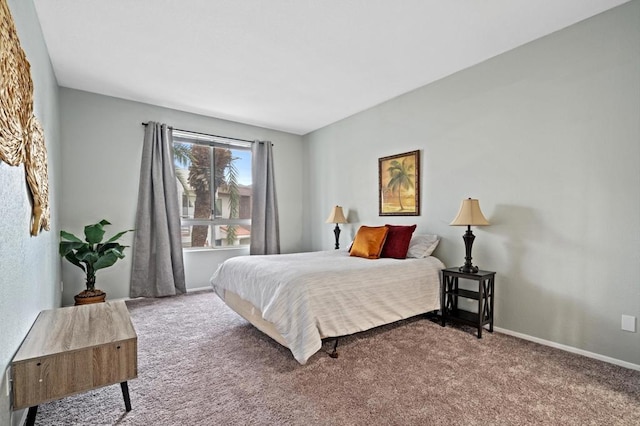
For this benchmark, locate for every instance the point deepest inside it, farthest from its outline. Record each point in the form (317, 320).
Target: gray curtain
(265, 231)
(158, 268)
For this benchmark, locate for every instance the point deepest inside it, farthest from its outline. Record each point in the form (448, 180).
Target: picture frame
(399, 184)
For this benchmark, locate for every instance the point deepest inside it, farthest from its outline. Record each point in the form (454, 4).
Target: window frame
(194, 138)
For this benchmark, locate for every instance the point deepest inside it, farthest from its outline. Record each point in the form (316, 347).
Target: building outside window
(213, 176)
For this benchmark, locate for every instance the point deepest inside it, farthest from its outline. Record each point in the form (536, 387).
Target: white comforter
(310, 296)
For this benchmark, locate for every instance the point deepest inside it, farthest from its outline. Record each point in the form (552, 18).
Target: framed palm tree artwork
(399, 184)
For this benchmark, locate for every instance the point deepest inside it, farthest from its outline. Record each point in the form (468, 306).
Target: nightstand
(450, 293)
(72, 350)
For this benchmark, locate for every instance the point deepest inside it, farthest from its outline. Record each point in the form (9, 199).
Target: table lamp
(336, 217)
(469, 215)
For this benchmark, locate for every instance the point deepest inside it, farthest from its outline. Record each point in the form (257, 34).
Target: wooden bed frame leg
(334, 354)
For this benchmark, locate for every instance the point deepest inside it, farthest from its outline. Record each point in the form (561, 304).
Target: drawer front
(115, 362)
(53, 377)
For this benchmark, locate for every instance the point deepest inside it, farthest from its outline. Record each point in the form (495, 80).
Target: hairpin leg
(334, 354)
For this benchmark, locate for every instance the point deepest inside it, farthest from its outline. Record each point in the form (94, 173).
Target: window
(213, 176)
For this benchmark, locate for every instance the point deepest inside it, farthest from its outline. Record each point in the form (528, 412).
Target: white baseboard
(569, 349)
(189, 290)
(544, 342)
(20, 415)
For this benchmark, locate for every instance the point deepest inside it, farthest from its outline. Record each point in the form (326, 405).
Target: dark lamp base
(468, 238)
(468, 269)
(336, 231)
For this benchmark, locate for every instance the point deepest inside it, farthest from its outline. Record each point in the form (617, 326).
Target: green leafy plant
(92, 254)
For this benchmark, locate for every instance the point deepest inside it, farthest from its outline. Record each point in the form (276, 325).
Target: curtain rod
(206, 134)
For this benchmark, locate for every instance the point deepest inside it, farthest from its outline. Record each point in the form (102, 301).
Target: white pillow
(422, 245)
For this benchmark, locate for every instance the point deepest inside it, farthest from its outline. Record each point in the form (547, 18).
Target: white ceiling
(291, 65)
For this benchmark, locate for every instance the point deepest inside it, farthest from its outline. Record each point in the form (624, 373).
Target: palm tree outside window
(214, 177)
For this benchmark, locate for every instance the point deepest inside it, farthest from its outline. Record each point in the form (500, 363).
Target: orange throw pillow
(369, 241)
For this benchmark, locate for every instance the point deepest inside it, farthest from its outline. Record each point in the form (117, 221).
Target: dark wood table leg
(491, 288)
(481, 313)
(443, 300)
(125, 395)
(31, 415)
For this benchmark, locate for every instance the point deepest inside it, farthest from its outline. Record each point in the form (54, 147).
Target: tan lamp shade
(470, 214)
(336, 216)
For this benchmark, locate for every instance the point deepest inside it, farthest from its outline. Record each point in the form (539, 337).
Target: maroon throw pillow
(397, 243)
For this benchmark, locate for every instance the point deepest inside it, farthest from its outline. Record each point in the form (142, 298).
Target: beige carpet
(201, 364)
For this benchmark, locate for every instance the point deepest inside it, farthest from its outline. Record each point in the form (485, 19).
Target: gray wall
(547, 138)
(101, 168)
(29, 266)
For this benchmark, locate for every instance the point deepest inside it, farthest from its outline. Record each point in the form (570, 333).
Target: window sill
(211, 249)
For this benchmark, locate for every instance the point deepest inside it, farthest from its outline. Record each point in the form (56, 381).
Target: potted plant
(91, 255)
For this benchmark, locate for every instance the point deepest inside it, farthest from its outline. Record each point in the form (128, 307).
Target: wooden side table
(451, 292)
(72, 350)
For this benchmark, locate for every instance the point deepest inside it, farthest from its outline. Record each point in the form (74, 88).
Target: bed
(299, 299)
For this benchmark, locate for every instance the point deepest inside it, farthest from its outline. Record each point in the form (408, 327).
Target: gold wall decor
(399, 185)
(21, 136)
(16, 91)
(37, 177)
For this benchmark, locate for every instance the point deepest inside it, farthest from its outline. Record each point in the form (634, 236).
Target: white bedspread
(310, 296)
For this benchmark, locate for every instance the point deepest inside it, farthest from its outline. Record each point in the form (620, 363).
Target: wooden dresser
(72, 350)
